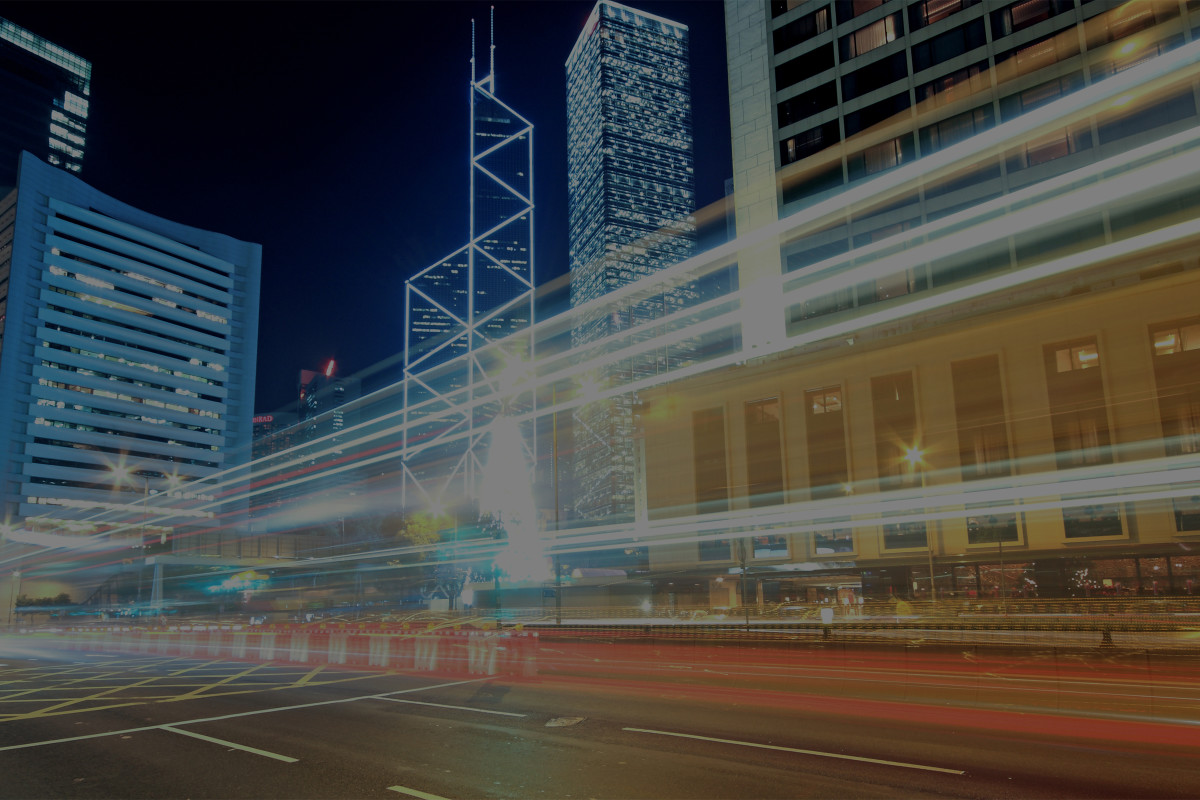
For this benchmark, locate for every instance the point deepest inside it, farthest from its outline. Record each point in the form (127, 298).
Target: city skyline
(265, 143)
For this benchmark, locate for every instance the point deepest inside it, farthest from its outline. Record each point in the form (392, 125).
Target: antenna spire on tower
(492, 50)
(472, 51)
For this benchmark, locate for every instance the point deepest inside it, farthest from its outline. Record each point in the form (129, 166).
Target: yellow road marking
(201, 689)
(95, 696)
(312, 674)
(243, 714)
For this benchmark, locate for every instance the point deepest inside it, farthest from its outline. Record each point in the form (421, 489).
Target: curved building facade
(128, 352)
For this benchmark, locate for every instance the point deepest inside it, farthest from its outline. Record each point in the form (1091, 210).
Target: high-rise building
(968, 236)
(127, 353)
(464, 315)
(275, 433)
(44, 91)
(630, 203)
(322, 401)
(828, 95)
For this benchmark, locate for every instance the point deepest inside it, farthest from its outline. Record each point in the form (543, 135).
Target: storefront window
(1185, 574)
(1153, 576)
(1008, 580)
(835, 540)
(1094, 577)
(716, 550)
(965, 582)
(771, 546)
(986, 528)
(898, 535)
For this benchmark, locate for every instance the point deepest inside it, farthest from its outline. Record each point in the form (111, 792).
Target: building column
(756, 193)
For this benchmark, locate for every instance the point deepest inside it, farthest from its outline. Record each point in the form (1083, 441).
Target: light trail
(1150, 171)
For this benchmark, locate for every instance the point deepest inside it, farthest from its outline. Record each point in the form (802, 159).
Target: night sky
(336, 135)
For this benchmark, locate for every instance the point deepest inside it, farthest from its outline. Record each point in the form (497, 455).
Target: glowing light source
(506, 492)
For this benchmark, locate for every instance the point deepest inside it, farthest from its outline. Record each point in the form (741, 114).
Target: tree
(422, 529)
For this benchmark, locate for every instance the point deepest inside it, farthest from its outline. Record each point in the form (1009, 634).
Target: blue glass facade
(630, 205)
(128, 344)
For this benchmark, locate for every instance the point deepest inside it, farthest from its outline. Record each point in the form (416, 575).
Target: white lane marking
(227, 743)
(459, 708)
(416, 793)
(240, 714)
(798, 750)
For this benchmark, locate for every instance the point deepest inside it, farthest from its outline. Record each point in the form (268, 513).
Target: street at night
(646, 722)
(683, 399)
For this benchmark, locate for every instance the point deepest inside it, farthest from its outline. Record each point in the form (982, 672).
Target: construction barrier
(431, 649)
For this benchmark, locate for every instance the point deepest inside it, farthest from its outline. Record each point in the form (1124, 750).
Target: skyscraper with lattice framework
(465, 315)
(630, 203)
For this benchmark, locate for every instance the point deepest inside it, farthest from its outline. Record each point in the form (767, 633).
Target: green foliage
(422, 529)
(60, 599)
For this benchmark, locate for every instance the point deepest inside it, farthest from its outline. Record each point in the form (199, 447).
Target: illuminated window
(955, 86)
(801, 30)
(810, 142)
(826, 401)
(1038, 54)
(828, 459)
(927, 12)
(1084, 356)
(75, 104)
(772, 546)
(1019, 16)
(868, 38)
(1176, 339)
(881, 157)
(955, 129)
(832, 541)
(1078, 406)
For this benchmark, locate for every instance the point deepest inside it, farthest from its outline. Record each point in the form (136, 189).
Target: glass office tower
(127, 354)
(467, 317)
(630, 203)
(44, 93)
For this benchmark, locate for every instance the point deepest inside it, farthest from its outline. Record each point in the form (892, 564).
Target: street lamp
(743, 546)
(14, 596)
(554, 484)
(916, 462)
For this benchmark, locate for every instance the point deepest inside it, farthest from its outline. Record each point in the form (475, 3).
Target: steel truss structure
(468, 316)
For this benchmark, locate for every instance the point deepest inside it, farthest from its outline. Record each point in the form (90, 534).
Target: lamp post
(554, 483)
(14, 595)
(1000, 552)
(743, 546)
(916, 461)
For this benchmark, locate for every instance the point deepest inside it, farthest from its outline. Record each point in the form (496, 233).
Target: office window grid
(935, 36)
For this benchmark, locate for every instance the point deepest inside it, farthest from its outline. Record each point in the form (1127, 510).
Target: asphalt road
(118, 726)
